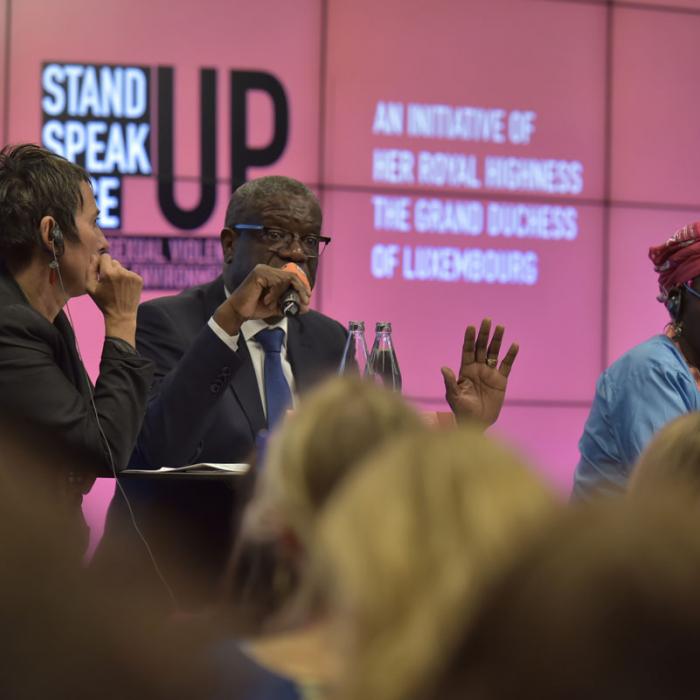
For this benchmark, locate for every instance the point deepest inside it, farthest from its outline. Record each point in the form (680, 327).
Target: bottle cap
(383, 326)
(356, 326)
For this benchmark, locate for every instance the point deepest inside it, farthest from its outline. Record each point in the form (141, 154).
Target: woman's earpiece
(673, 303)
(58, 245)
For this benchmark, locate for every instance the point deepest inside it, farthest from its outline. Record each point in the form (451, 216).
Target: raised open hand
(478, 392)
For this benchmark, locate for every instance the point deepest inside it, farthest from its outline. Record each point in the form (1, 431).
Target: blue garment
(239, 677)
(636, 396)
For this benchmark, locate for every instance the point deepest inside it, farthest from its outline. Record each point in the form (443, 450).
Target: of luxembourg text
(446, 264)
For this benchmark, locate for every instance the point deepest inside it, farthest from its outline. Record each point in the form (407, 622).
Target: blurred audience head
(408, 545)
(671, 458)
(604, 605)
(65, 636)
(316, 447)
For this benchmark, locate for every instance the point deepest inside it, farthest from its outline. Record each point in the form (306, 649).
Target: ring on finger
(492, 361)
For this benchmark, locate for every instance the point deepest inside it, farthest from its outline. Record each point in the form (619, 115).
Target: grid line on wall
(607, 185)
(321, 166)
(633, 5)
(480, 194)
(6, 76)
(647, 7)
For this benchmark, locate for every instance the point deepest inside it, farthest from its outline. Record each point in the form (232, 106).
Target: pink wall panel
(469, 54)
(655, 144)
(548, 437)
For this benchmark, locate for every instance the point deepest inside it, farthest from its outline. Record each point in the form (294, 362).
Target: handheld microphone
(289, 302)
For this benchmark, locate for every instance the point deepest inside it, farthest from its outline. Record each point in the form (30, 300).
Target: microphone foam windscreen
(293, 267)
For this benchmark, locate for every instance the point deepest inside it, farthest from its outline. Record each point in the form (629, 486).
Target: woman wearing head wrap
(652, 383)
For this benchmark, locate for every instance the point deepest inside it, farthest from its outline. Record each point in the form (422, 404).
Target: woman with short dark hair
(52, 249)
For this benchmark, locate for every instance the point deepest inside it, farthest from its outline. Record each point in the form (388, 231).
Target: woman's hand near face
(117, 292)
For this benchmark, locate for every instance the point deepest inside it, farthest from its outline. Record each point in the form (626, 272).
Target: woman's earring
(677, 329)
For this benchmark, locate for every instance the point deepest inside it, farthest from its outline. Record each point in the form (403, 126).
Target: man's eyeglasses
(276, 238)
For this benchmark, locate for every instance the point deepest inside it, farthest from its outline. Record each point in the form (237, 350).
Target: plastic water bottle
(383, 364)
(355, 356)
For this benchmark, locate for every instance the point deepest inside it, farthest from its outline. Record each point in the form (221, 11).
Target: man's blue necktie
(277, 394)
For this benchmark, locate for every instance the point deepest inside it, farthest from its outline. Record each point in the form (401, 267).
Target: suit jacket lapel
(245, 387)
(244, 384)
(300, 351)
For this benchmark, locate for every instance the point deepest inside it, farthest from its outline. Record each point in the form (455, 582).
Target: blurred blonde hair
(672, 457)
(335, 426)
(604, 605)
(410, 542)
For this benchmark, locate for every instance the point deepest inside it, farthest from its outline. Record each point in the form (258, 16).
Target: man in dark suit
(209, 402)
(211, 396)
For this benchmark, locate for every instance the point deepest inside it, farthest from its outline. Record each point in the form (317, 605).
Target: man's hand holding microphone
(267, 292)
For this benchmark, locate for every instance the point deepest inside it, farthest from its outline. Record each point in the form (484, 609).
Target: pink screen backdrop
(471, 54)
(502, 158)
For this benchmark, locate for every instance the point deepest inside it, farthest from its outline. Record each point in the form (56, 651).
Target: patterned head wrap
(678, 259)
